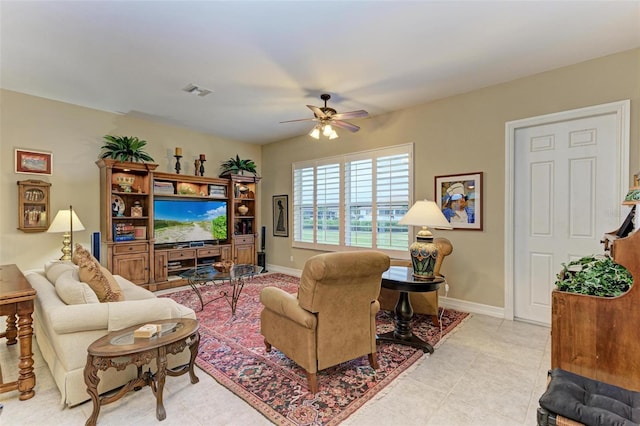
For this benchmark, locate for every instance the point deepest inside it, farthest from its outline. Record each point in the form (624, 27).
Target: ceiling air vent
(196, 90)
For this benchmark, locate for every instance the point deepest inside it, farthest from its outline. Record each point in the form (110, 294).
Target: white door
(567, 194)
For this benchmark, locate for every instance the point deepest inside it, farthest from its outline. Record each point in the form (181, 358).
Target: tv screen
(182, 221)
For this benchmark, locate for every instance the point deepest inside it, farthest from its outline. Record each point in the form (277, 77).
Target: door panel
(565, 191)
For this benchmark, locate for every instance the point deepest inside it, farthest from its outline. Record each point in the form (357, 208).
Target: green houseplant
(238, 166)
(594, 276)
(124, 148)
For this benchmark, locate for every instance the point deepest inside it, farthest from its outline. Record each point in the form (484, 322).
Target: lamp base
(424, 253)
(66, 247)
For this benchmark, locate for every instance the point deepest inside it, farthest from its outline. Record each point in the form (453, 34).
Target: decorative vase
(242, 209)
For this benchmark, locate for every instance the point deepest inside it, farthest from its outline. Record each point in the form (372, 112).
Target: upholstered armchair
(422, 303)
(332, 318)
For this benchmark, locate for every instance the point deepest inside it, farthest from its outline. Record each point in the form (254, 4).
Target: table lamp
(424, 251)
(66, 221)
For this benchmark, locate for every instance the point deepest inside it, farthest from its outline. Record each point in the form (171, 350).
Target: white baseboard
(471, 307)
(447, 302)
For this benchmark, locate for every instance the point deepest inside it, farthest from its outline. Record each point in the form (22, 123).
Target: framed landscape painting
(460, 199)
(34, 162)
(280, 215)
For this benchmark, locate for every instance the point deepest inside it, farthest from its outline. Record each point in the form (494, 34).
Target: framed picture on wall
(33, 162)
(460, 199)
(280, 215)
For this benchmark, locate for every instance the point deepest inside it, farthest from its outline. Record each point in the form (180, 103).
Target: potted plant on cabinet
(238, 166)
(125, 148)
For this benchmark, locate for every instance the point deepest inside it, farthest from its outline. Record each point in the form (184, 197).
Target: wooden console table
(16, 301)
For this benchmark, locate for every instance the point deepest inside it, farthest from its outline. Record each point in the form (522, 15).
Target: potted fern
(125, 148)
(238, 167)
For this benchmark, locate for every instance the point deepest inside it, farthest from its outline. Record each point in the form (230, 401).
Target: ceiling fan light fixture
(327, 129)
(315, 133)
(333, 135)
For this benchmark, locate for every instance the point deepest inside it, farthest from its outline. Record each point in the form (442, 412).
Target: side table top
(14, 285)
(210, 273)
(122, 342)
(400, 278)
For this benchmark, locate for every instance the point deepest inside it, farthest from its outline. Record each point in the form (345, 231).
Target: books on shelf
(163, 188)
(123, 232)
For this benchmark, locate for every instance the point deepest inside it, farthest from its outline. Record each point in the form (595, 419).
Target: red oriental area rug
(232, 351)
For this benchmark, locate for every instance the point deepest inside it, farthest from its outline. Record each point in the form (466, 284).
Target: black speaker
(262, 260)
(263, 237)
(95, 245)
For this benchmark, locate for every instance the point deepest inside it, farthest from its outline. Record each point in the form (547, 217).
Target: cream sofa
(63, 331)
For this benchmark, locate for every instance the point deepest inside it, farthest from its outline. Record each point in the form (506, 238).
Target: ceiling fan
(328, 117)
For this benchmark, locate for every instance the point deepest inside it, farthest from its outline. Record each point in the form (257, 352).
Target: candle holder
(196, 165)
(202, 167)
(178, 157)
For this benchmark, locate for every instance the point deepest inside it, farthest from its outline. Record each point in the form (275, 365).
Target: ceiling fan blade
(317, 111)
(301, 119)
(351, 114)
(345, 125)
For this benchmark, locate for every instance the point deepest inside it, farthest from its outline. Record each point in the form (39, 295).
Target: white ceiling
(265, 60)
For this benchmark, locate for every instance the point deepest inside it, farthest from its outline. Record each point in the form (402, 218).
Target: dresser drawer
(130, 248)
(206, 252)
(182, 254)
(244, 239)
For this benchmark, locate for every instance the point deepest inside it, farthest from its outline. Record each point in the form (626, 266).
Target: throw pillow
(99, 278)
(72, 291)
(82, 257)
(53, 270)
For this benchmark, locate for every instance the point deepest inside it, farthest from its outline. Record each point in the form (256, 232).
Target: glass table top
(210, 273)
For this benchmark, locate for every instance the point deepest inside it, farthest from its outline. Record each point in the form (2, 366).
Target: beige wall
(74, 135)
(462, 134)
(459, 134)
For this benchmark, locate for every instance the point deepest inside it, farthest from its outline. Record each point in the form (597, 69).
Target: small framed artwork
(280, 215)
(140, 232)
(460, 199)
(34, 162)
(217, 191)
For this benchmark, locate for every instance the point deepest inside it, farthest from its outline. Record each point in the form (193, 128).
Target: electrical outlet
(291, 258)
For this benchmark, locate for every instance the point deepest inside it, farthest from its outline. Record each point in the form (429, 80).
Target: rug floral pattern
(232, 351)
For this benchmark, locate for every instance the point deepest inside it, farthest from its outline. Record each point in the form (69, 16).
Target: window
(353, 200)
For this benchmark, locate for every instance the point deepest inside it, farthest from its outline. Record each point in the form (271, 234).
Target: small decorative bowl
(224, 266)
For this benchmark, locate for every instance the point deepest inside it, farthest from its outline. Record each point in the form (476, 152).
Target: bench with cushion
(571, 399)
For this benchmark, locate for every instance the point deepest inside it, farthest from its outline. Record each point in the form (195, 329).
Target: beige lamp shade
(66, 221)
(425, 213)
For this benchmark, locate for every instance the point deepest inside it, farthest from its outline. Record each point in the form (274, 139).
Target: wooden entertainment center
(128, 191)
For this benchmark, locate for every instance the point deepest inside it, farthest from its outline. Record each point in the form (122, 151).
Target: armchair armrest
(286, 305)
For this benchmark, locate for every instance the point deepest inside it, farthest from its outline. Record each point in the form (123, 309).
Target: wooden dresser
(599, 337)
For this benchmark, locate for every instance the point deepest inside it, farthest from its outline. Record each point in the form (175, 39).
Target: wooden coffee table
(119, 349)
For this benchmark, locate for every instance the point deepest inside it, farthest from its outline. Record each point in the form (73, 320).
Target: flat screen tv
(184, 220)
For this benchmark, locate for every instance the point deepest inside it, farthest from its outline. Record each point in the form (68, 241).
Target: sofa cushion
(53, 270)
(72, 291)
(99, 278)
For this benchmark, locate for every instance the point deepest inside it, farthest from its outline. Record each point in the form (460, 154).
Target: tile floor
(490, 371)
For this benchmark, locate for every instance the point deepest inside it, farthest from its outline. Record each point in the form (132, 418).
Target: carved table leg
(26, 376)
(91, 379)
(192, 361)
(11, 332)
(160, 377)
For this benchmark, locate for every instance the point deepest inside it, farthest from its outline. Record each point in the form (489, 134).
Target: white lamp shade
(62, 222)
(425, 213)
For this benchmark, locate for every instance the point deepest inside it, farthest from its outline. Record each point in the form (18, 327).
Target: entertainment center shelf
(156, 225)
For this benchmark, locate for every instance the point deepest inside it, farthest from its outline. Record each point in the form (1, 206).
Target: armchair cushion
(286, 304)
